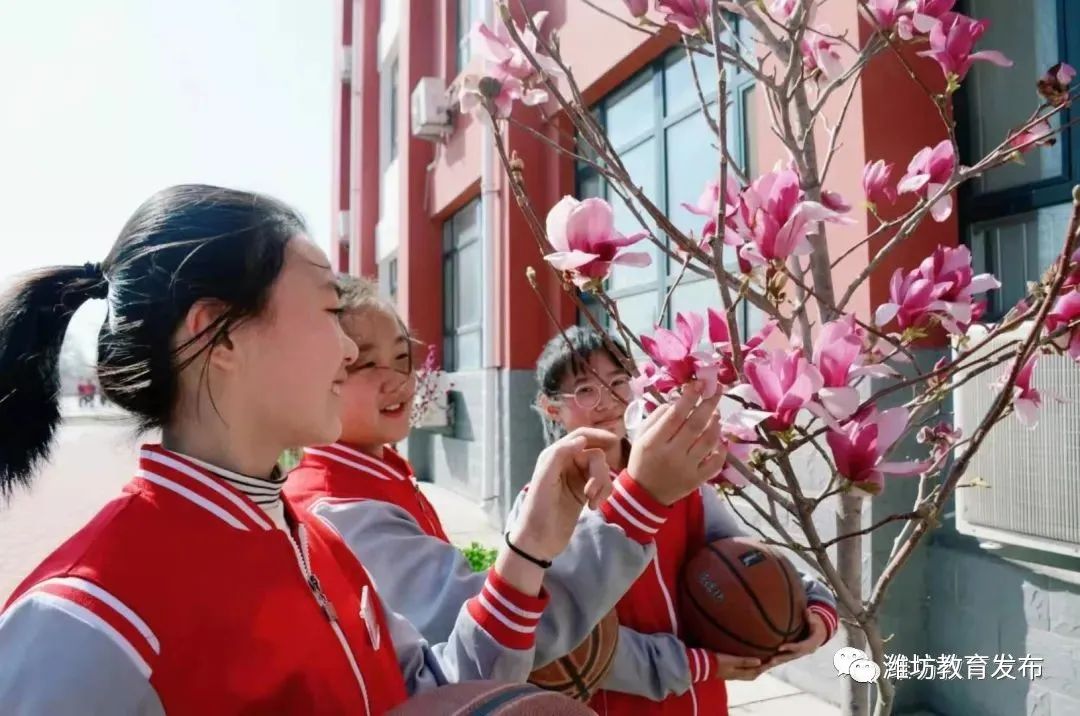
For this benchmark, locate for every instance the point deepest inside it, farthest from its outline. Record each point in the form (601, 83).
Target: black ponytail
(567, 353)
(184, 244)
(34, 315)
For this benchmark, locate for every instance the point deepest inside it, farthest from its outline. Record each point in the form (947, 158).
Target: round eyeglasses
(588, 395)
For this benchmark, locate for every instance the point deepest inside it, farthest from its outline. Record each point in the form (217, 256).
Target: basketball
(491, 698)
(579, 673)
(743, 598)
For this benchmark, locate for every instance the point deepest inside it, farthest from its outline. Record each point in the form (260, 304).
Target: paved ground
(93, 458)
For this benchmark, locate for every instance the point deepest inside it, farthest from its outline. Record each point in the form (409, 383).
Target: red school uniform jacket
(180, 597)
(651, 607)
(341, 472)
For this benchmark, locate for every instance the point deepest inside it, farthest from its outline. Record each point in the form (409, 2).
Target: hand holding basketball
(737, 668)
(678, 449)
(570, 473)
(796, 649)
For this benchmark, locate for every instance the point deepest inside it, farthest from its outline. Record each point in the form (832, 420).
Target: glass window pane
(469, 285)
(1017, 250)
(1027, 34)
(695, 297)
(692, 162)
(640, 162)
(750, 130)
(467, 223)
(639, 312)
(631, 112)
(589, 186)
(680, 93)
(448, 293)
(468, 350)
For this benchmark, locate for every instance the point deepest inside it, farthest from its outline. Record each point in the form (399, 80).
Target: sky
(104, 102)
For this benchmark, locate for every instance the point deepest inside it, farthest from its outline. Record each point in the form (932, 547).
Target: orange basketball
(490, 698)
(579, 673)
(743, 598)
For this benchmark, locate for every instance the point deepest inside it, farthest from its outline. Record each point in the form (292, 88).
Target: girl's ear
(547, 407)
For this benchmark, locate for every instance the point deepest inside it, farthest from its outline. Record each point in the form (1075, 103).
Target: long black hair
(184, 244)
(567, 353)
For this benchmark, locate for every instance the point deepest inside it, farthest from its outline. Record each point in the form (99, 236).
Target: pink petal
(570, 260)
(891, 425)
(534, 97)
(1027, 412)
(885, 313)
(557, 219)
(992, 56)
(912, 183)
(840, 402)
(942, 208)
(592, 220)
(633, 258)
(910, 467)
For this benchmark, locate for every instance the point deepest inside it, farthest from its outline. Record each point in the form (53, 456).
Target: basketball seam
(750, 593)
(704, 613)
(489, 707)
(791, 599)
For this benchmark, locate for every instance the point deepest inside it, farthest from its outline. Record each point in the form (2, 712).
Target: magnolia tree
(802, 383)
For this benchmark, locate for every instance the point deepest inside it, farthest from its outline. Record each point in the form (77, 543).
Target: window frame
(740, 85)
(978, 210)
(452, 247)
(977, 207)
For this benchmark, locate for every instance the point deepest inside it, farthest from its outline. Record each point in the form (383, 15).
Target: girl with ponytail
(197, 590)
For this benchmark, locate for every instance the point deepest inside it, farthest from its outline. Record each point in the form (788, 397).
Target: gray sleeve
(720, 522)
(56, 664)
(655, 666)
(418, 576)
(470, 654)
(585, 581)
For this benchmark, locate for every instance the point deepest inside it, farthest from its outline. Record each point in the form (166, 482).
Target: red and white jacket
(181, 597)
(387, 523)
(654, 672)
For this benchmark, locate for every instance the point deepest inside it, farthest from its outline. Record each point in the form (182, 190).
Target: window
(388, 278)
(655, 123)
(462, 290)
(469, 12)
(1014, 217)
(389, 112)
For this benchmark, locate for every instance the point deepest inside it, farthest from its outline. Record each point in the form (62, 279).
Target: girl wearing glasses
(367, 492)
(583, 385)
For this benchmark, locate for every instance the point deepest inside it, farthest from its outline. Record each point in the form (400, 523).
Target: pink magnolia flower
(949, 269)
(772, 218)
(677, 358)
(941, 438)
(729, 474)
(876, 182)
(951, 43)
(1066, 311)
(840, 358)
(1054, 85)
(689, 15)
(504, 58)
(819, 54)
(1026, 399)
(1040, 134)
(502, 93)
(859, 448)
(834, 202)
(885, 12)
(585, 240)
(708, 204)
(780, 383)
(927, 173)
(720, 337)
(920, 16)
(637, 8)
(783, 10)
(942, 287)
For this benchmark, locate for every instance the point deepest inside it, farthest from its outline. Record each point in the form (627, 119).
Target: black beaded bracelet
(538, 562)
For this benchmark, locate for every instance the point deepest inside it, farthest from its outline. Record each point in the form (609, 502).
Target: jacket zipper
(327, 607)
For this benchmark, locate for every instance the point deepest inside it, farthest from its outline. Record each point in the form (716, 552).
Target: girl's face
(290, 362)
(585, 402)
(378, 393)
